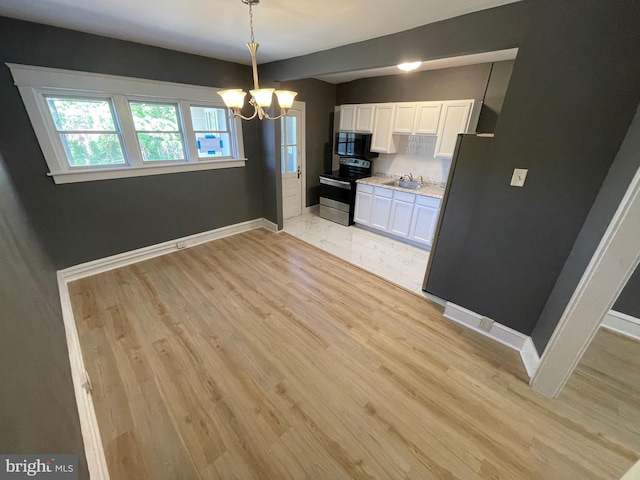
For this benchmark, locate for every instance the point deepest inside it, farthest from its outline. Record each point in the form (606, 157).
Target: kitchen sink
(404, 184)
(412, 185)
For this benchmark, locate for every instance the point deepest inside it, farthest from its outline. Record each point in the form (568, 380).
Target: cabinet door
(362, 213)
(382, 138)
(423, 224)
(364, 118)
(455, 120)
(405, 115)
(427, 118)
(380, 212)
(347, 118)
(401, 213)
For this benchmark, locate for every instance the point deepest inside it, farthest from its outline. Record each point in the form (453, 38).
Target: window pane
(292, 159)
(161, 146)
(211, 145)
(290, 123)
(208, 119)
(79, 114)
(85, 149)
(154, 117)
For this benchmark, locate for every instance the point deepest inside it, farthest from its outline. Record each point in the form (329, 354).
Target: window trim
(36, 82)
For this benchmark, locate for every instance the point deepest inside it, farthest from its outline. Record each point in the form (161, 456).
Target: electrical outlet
(181, 245)
(519, 176)
(486, 324)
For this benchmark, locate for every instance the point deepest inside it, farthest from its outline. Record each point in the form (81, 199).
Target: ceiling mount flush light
(407, 67)
(260, 97)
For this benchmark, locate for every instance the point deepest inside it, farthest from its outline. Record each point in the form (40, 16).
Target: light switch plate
(519, 176)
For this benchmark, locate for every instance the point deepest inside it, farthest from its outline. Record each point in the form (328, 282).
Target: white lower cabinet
(364, 204)
(381, 210)
(424, 220)
(401, 214)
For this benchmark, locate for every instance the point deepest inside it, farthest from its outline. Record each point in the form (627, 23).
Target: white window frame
(36, 83)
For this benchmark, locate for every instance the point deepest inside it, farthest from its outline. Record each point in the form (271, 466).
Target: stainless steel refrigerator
(455, 216)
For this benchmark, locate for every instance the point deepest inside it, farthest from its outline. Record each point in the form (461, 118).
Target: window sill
(89, 175)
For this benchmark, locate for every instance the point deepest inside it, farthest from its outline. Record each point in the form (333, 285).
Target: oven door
(336, 200)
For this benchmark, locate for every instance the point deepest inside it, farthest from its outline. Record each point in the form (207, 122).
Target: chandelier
(260, 97)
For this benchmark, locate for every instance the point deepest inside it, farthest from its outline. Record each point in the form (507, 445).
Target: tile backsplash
(415, 156)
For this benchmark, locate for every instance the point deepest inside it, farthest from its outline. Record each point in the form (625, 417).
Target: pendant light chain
(261, 98)
(253, 40)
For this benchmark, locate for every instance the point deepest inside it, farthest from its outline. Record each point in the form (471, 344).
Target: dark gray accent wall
(485, 31)
(624, 167)
(629, 300)
(571, 97)
(494, 97)
(445, 84)
(84, 221)
(38, 412)
(320, 100)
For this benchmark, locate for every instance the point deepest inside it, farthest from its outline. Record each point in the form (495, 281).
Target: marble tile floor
(398, 262)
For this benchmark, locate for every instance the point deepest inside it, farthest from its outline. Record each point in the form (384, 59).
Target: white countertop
(428, 190)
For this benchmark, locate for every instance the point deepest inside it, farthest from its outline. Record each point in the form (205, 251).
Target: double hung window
(93, 127)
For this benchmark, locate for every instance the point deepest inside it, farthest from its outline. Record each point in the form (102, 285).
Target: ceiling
(220, 28)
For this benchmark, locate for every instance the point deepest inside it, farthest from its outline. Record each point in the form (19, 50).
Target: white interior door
(293, 161)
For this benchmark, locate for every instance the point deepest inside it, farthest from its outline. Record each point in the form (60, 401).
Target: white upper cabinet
(357, 118)
(427, 118)
(454, 119)
(382, 140)
(364, 118)
(417, 118)
(347, 118)
(405, 116)
(387, 120)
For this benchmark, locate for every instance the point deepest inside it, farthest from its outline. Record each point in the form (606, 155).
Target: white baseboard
(269, 225)
(94, 450)
(127, 258)
(623, 324)
(500, 333)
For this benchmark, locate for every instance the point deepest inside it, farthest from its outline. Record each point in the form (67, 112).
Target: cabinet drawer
(428, 201)
(383, 192)
(365, 188)
(404, 196)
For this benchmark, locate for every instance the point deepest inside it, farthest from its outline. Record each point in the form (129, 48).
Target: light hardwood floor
(260, 356)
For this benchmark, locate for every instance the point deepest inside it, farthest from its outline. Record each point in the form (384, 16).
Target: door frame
(301, 106)
(611, 266)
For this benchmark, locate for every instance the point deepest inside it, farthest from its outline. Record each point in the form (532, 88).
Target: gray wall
(570, 100)
(84, 221)
(445, 84)
(320, 99)
(38, 411)
(69, 224)
(624, 167)
(485, 31)
(629, 300)
(494, 97)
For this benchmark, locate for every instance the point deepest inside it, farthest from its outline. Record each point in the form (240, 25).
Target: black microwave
(350, 144)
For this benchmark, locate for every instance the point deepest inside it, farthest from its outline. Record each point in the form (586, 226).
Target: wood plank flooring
(260, 356)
